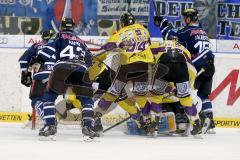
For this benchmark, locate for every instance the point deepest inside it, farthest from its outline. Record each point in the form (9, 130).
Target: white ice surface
(23, 144)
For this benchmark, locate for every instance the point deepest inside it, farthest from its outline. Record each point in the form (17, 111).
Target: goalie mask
(127, 19)
(67, 24)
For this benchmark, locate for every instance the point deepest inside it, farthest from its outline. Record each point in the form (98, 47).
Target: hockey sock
(87, 111)
(49, 113)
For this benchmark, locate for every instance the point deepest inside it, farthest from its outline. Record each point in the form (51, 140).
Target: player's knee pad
(140, 88)
(156, 99)
(186, 101)
(116, 87)
(159, 86)
(183, 89)
(141, 101)
(129, 106)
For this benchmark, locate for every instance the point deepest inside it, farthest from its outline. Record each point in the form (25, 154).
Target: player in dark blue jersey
(194, 38)
(40, 72)
(72, 60)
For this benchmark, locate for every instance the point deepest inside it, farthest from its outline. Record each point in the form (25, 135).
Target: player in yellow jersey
(153, 110)
(133, 40)
(177, 59)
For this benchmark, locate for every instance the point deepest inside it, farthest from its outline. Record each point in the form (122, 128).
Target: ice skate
(196, 129)
(48, 133)
(89, 134)
(208, 124)
(98, 128)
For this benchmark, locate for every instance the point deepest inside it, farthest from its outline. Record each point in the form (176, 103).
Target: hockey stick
(157, 12)
(129, 6)
(200, 72)
(109, 128)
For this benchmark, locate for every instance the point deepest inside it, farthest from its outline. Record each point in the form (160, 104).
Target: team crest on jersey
(140, 86)
(182, 89)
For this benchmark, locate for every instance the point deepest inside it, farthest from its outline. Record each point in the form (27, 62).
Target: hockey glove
(38, 60)
(26, 78)
(157, 20)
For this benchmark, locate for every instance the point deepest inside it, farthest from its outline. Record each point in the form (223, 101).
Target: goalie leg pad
(167, 123)
(133, 128)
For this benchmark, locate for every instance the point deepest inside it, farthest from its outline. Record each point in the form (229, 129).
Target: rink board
(110, 119)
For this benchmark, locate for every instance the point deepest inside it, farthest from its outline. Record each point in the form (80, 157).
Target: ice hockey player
(195, 39)
(72, 60)
(133, 40)
(176, 58)
(40, 73)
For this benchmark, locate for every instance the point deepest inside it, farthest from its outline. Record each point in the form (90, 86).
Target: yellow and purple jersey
(138, 48)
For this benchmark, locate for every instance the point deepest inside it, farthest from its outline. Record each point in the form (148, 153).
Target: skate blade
(90, 139)
(100, 134)
(185, 134)
(166, 134)
(152, 134)
(205, 128)
(197, 136)
(211, 131)
(48, 138)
